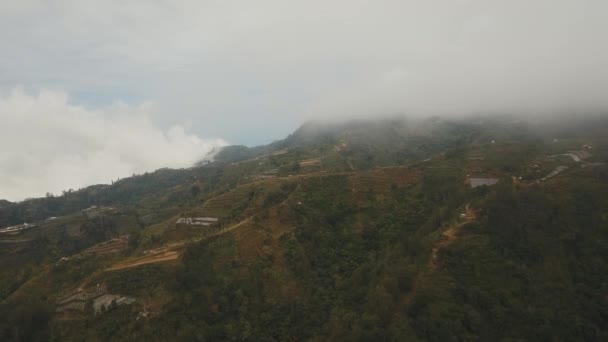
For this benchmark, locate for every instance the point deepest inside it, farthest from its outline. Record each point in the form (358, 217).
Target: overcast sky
(100, 89)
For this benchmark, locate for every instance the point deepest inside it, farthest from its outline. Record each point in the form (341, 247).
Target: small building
(197, 221)
(18, 228)
(106, 302)
(478, 181)
(262, 177)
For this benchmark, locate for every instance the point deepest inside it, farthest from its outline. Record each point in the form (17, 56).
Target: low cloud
(257, 69)
(50, 145)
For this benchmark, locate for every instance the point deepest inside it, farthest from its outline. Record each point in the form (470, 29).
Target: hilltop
(395, 229)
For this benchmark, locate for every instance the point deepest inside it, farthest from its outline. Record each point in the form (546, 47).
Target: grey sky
(251, 71)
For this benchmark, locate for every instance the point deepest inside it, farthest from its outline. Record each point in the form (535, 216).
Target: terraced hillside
(356, 232)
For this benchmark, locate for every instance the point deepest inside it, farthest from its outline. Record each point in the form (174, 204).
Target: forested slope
(382, 237)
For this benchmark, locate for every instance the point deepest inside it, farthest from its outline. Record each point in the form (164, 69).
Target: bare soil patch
(162, 257)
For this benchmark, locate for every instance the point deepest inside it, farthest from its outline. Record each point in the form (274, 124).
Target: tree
(195, 190)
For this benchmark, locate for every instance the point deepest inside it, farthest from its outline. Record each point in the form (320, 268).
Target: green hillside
(365, 230)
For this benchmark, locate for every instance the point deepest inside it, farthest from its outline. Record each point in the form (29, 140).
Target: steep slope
(356, 231)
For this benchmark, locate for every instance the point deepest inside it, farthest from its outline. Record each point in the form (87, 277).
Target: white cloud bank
(268, 65)
(49, 145)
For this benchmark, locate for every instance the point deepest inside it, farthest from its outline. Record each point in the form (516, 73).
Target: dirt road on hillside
(164, 257)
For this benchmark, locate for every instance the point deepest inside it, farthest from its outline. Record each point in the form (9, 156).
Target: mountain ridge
(343, 233)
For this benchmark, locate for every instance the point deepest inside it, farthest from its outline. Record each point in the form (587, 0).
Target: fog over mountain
(49, 145)
(101, 89)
